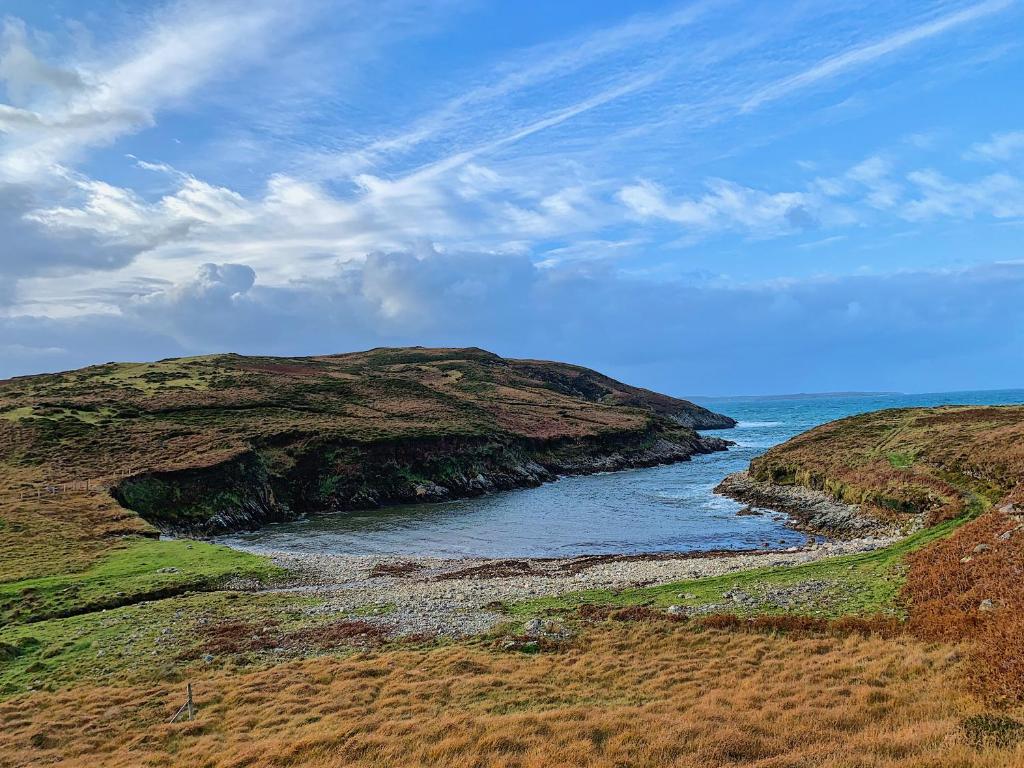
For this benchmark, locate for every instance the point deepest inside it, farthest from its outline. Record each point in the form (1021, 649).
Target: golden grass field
(643, 693)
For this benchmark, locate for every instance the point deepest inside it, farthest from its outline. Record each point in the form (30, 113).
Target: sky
(704, 198)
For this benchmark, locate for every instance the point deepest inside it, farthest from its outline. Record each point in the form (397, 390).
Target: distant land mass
(794, 396)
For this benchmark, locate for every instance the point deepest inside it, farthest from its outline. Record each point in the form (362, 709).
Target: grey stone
(533, 628)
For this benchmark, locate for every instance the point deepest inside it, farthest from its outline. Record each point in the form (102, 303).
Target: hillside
(926, 464)
(226, 442)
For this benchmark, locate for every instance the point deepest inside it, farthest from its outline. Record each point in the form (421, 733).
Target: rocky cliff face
(259, 487)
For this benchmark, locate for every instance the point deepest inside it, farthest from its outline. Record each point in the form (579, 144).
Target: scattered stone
(986, 605)
(533, 628)
(168, 569)
(981, 548)
(208, 658)
(966, 559)
(676, 610)
(464, 596)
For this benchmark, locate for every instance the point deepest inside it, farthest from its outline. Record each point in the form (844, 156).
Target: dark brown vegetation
(239, 637)
(971, 587)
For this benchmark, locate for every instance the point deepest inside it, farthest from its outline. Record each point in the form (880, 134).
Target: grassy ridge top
(194, 411)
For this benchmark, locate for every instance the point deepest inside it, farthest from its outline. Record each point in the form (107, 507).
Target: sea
(658, 509)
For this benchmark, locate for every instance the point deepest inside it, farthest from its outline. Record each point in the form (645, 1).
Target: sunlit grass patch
(901, 459)
(859, 584)
(132, 570)
(17, 414)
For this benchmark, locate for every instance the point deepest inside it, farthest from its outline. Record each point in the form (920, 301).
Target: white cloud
(1001, 147)
(63, 110)
(1000, 195)
(874, 174)
(726, 206)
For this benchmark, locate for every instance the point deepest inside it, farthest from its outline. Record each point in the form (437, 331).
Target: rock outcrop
(809, 510)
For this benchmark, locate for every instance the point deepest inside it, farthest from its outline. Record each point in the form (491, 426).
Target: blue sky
(703, 198)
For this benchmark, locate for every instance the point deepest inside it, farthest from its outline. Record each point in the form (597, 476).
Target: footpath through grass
(859, 584)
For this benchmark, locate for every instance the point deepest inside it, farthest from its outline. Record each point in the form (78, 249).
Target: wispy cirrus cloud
(69, 108)
(866, 54)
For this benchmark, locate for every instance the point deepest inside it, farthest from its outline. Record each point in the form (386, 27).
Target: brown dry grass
(624, 694)
(946, 585)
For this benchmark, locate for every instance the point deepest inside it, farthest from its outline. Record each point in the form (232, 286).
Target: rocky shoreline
(809, 510)
(462, 597)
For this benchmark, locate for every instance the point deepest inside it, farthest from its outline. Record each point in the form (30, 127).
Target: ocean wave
(752, 424)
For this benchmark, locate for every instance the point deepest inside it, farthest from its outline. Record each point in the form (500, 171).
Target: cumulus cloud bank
(877, 331)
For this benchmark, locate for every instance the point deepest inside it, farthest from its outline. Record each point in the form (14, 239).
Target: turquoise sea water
(660, 509)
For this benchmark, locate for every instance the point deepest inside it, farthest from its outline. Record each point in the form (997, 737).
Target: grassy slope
(923, 459)
(131, 570)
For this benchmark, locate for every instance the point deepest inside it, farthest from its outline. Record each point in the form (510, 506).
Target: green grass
(135, 569)
(156, 640)
(859, 584)
(17, 414)
(901, 459)
(152, 377)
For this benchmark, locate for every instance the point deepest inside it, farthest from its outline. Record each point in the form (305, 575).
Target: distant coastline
(827, 395)
(794, 396)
